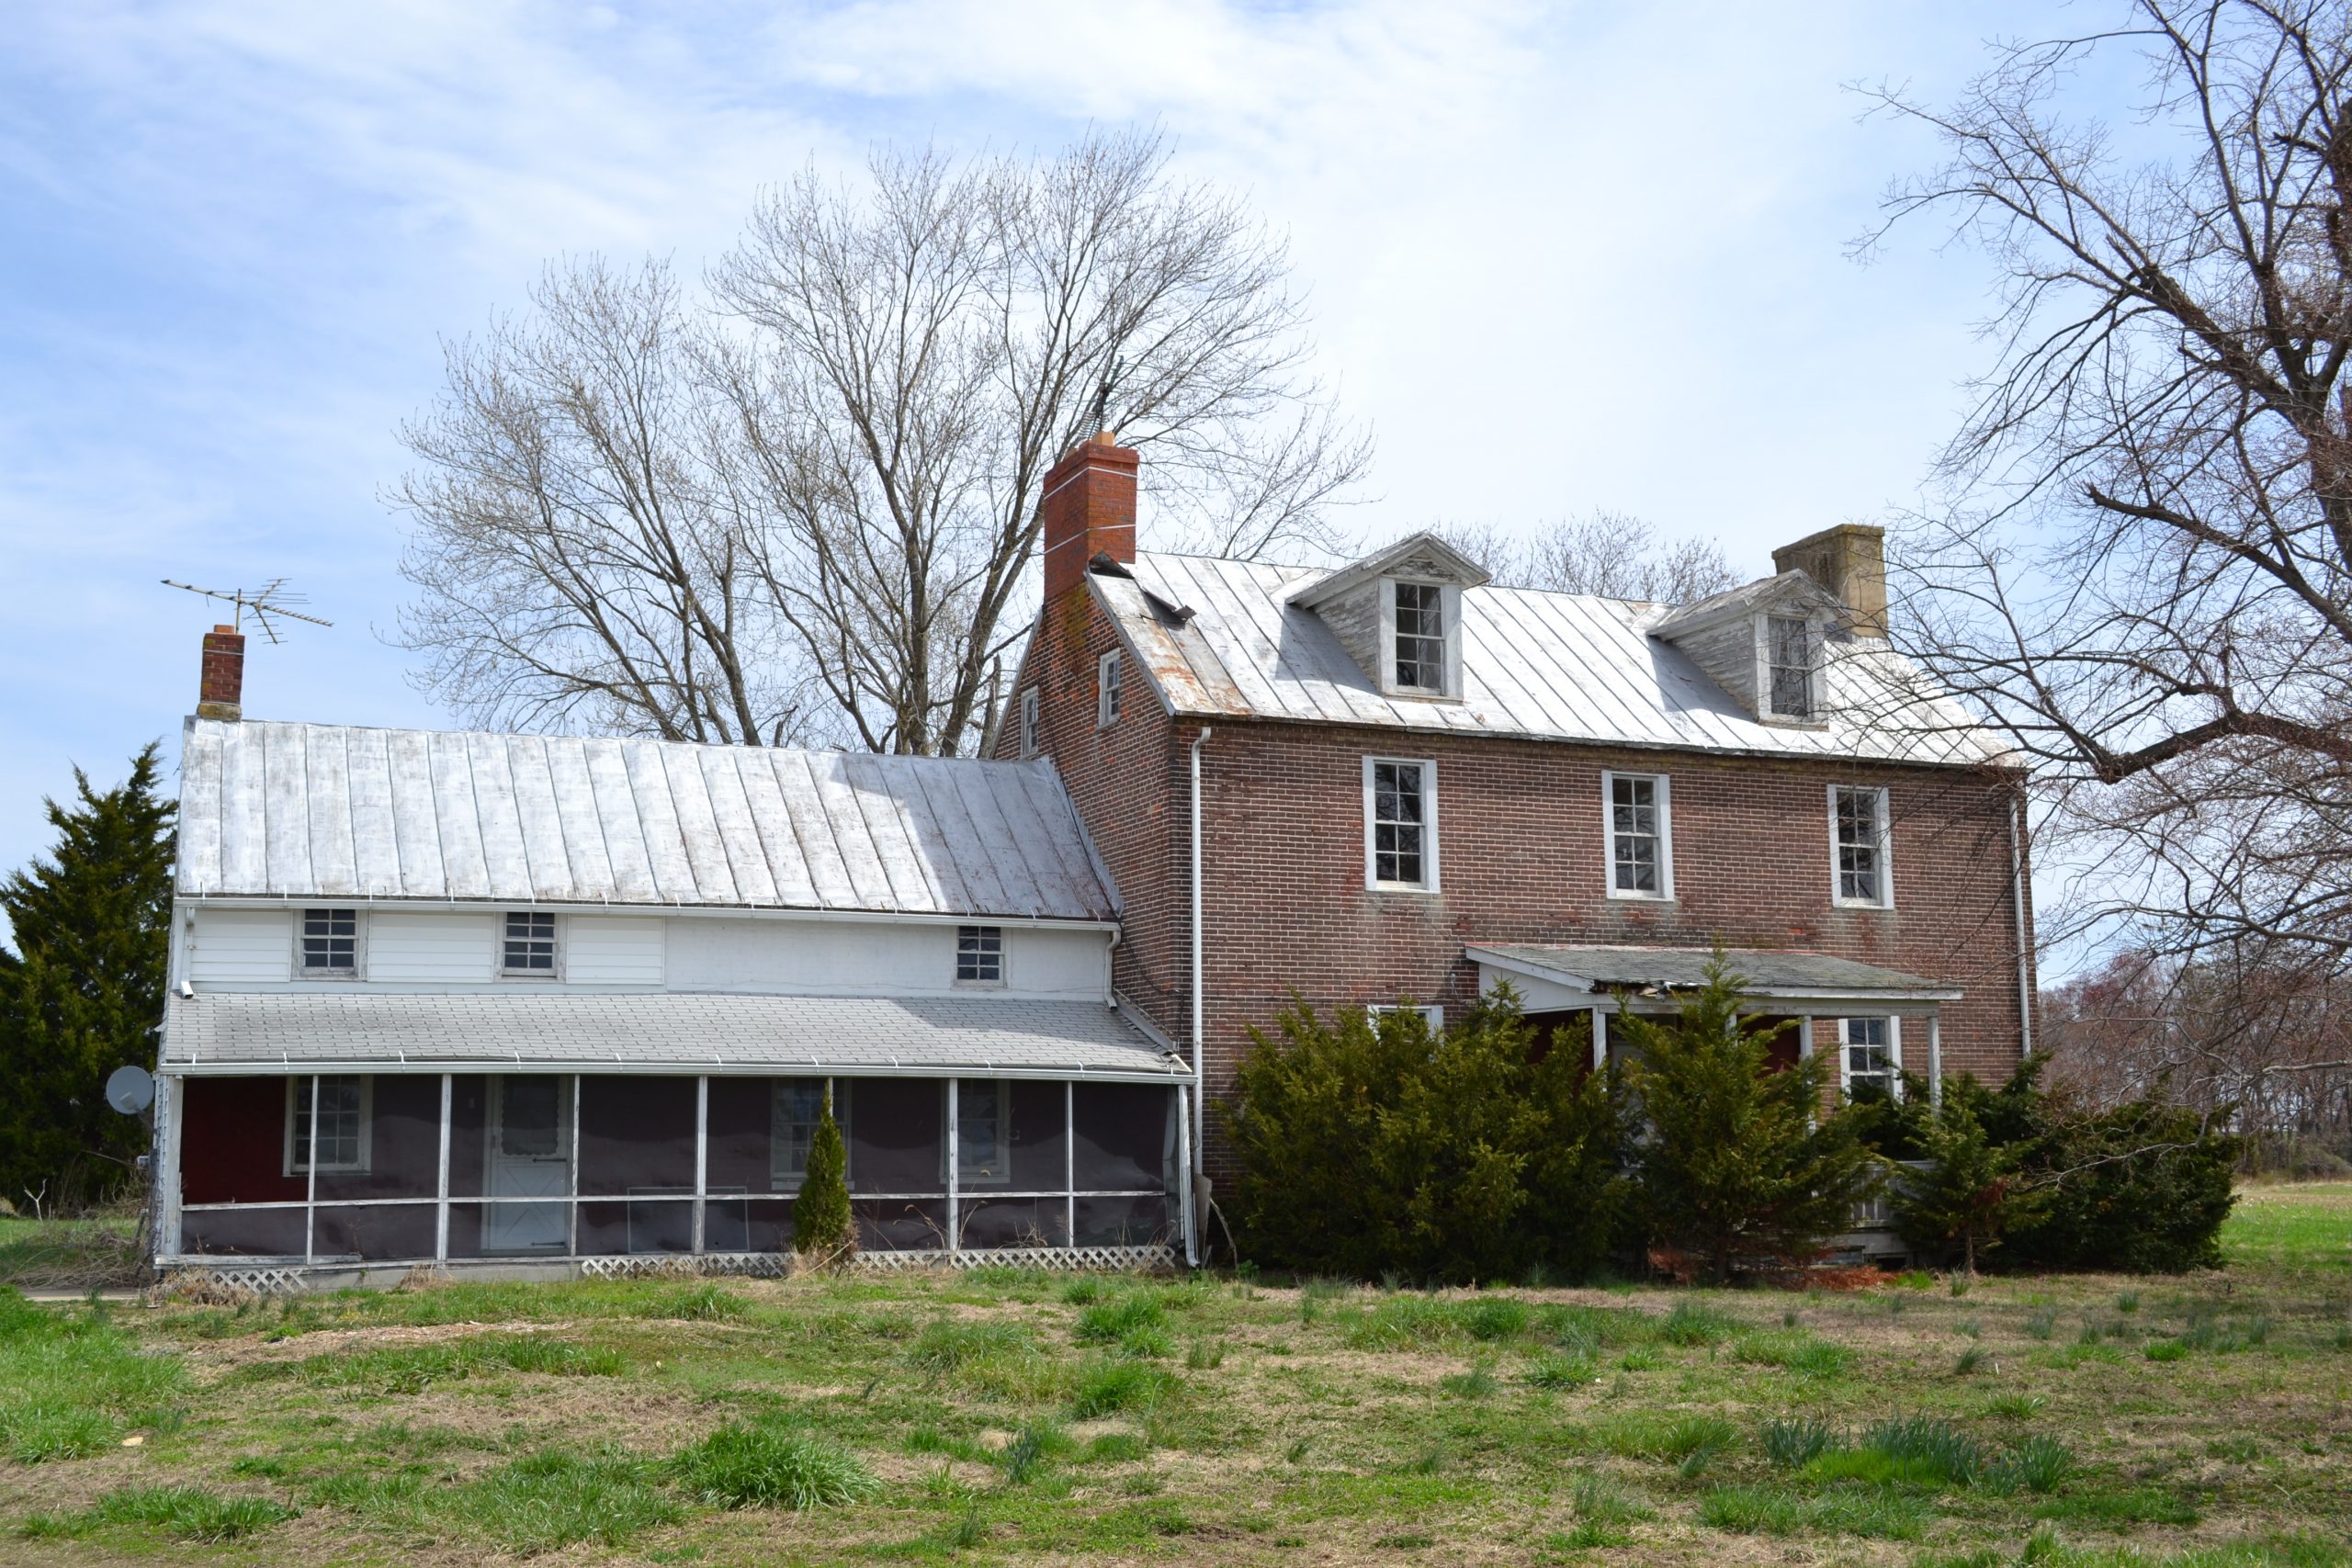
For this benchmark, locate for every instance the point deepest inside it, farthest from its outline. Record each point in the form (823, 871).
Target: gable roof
(1534, 665)
(330, 811)
(1790, 591)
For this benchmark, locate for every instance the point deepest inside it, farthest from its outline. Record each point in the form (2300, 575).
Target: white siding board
(241, 947)
(410, 947)
(602, 950)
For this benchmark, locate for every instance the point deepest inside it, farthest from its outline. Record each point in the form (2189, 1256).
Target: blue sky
(1560, 258)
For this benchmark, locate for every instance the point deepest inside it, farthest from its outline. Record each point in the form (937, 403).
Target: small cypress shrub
(820, 1226)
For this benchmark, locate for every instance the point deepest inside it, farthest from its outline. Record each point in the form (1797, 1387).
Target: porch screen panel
(370, 1233)
(992, 1222)
(1038, 1142)
(469, 1134)
(510, 1141)
(899, 1224)
(636, 1145)
(232, 1144)
(1124, 1136)
(749, 1174)
(399, 1142)
(243, 1233)
(897, 1135)
(1125, 1222)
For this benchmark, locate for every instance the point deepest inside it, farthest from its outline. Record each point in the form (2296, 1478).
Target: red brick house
(1406, 783)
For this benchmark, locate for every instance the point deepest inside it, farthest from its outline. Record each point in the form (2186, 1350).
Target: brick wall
(1521, 858)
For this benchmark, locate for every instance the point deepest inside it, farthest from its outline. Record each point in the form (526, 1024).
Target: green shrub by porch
(820, 1228)
(1377, 1145)
(1740, 1169)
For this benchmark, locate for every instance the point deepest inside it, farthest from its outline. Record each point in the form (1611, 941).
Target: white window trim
(1816, 691)
(1894, 1056)
(1665, 783)
(1003, 957)
(1430, 1010)
(1448, 612)
(1429, 883)
(1028, 722)
(1107, 697)
(301, 1086)
(525, 976)
(1003, 1153)
(358, 945)
(1885, 900)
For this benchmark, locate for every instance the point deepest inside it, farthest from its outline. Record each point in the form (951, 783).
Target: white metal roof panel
(1535, 665)
(318, 811)
(231, 1032)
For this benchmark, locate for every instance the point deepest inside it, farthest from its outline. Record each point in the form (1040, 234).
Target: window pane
(329, 1127)
(1420, 635)
(1860, 871)
(1397, 809)
(1791, 661)
(530, 943)
(329, 940)
(1635, 845)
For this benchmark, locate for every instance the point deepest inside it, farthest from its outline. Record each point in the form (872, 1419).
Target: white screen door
(529, 1157)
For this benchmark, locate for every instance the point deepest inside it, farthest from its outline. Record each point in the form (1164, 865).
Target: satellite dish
(130, 1090)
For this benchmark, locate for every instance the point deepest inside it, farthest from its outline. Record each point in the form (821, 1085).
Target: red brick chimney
(1088, 508)
(221, 694)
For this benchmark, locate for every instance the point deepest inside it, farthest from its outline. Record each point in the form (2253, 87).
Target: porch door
(529, 1157)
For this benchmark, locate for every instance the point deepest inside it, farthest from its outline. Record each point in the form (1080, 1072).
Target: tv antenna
(269, 600)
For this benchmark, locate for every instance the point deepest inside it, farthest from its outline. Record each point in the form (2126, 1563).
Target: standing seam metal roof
(328, 811)
(1535, 665)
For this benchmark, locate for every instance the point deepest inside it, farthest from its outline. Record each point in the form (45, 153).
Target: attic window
(1420, 635)
(1790, 653)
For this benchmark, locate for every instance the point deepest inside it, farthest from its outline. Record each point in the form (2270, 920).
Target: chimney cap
(220, 626)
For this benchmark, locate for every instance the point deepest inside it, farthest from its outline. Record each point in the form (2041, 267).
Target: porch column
(441, 1181)
(702, 1159)
(1184, 1173)
(1936, 1057)
(1804, 1037)
(169, 1103)
(955, 1234)
(572, 1177)
(1600, 1040)
(310, 1191)
(1069, 1162)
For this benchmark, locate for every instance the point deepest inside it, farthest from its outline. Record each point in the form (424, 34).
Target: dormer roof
(1790, 593)
(1423, 558)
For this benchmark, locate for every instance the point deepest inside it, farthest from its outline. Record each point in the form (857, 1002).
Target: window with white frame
(330, 943)
(1858, 835)
(1106, 689)
(1400, 823)
(528, 948)
(337, 1134)
(1418, 618)
(983, 1132)
(979, 956)
(1641, 835)
(794, 1114)
(1790, 657)
(1029, 736)
(1870, 1056)
(1432, 1015)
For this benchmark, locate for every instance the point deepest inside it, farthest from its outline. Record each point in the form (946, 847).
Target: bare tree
(1609, 554)
(828, 502)
(2142, 567)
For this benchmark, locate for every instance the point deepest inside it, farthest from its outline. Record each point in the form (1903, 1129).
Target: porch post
(1600, 1040)
(572, 1176)
(1936, 1057)
(1184, 1174)
(955, 1234)
(441, 1182)
(1069, 1162)
(171, 1096)
(311, 1190)
(702, 1159)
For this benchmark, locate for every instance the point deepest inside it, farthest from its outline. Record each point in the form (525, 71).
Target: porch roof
(1769, 972)
(231, 1033)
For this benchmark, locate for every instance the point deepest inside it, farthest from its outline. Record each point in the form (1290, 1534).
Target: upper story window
(1419, 636)
(1870, 1056)
(1106, 689)
(1858, 835)
(799, 1107)
(1789, 659)
(529, 946)
(328, 1123)
(1641, 835)
(979, 956)
(983, 1131)
(1029, 737)
(329, 943)
(1400, 824)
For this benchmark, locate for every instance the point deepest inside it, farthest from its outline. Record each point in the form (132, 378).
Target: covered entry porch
(344, 1134)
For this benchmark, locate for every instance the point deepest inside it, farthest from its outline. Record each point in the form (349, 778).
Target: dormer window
(1790, 645)
(1420, 637)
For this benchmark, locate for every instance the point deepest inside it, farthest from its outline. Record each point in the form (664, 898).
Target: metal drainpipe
(2017, 902)
(1199, 1120)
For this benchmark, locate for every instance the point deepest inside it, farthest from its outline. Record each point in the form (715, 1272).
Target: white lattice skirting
(205, 1284)
(278, 1279)
(1069, 1259)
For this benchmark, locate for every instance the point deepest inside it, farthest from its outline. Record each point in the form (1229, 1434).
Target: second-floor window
(979, 956)
(1641, 852)
(1791, 658)
(329, 943)
(1400, 823)
(1859, 842)
(529, 945)
(1029, 738)
(1420, 637)
(1106, 689)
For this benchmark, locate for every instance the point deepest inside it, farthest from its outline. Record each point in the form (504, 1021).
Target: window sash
(1106, 689)
(1791, 658)
(330, 941)
(1869, 1050)
(1641, 856)
(1858, 828)
(797, 1111)
(1029, 722)
(1400, 824)
(1418, 620)
(529, 943)
(979, 954)
(341, 1134)
(983, 1132)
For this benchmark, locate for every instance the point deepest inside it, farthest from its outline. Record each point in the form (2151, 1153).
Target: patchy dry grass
(1007, 1415)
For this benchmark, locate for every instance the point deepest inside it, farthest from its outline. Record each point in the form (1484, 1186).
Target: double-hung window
(1789, 659)
(1870, 1056)
(1432, 1015)
(1419, 611)
(1106, 689)
(330, 943)
(979, 956)
(1641, 834)
(529, 946)
(336, 1136)
(799, 1107)
(983, 1131)
(1858, 843)
(1400, 824)
(1030, 740)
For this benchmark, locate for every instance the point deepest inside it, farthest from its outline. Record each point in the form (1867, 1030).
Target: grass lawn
(35, 1254)
(1013, 1417)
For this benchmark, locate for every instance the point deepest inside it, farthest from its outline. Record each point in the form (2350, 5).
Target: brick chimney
(1851, 562)
(1088, 508)
(221, 694)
